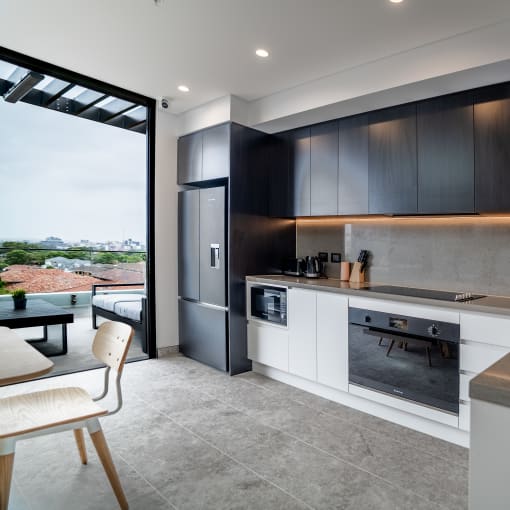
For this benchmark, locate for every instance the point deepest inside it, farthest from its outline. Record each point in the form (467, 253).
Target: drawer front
(477, 357)
(269, 346)
(487, 329)
(464, 416)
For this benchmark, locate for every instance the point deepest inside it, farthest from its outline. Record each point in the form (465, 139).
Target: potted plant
(20, 301)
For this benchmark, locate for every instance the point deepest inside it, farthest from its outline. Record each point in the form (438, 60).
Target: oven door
(269, 304)
(422, 370)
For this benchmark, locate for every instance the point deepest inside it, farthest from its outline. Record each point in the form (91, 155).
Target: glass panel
(7, 69)
(88, 96)
(138, 114)
(117, 105)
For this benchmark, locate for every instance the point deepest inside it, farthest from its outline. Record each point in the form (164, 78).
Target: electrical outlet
(336, 257)
(323, 256)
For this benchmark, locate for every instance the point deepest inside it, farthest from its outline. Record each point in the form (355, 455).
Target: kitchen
(390, 327)
(330, 263)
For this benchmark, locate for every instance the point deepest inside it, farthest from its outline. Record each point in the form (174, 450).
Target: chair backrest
(111, 344)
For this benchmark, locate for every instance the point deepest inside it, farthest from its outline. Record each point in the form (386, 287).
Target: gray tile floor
(190, 437)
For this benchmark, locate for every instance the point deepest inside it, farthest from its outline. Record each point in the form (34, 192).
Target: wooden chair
(51, 411)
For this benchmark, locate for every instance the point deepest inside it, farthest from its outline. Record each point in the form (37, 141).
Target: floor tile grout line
(146, 481)
(238, 462)
(388, 482)
(405, 443)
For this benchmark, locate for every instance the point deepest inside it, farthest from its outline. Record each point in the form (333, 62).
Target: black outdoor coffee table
(37, 313)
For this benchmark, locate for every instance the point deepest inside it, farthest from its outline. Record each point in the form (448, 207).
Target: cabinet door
(332, 340)
(216, 152)
(445, 155)
(492, 150)
(188, 244)
(302, 315)
(189, 158)
(353, 165)
(268, 345)
(279, 185)
(324, 168)
(299, 171)
(392, 161)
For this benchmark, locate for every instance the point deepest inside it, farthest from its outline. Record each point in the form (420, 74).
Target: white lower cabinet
(302, 317)
(268, 345)
(485, 341)
(332, 340)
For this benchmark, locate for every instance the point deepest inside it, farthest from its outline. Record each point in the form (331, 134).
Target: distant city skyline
(69, 177)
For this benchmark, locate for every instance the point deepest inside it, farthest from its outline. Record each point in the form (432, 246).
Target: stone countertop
(493, 384)
(490, 304)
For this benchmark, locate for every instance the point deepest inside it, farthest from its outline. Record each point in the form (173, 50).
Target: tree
(17, 257)
(106, 258)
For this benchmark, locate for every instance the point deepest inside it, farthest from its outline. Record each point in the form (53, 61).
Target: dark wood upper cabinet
(324, 168)
(279, 184)
(189, 158)
(446, 177)
(353, 165)
(216, 152)
(492, 149)
(392, 161)
(299, 172)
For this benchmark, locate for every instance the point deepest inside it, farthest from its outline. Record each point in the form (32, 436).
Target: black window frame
(55, 71)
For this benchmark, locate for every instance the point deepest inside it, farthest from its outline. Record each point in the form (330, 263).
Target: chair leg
(80, 442)
(6, 465)
(106, 459)
(392, 343)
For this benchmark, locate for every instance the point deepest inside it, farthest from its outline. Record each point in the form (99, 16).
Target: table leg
(45, 334)
(64, 339)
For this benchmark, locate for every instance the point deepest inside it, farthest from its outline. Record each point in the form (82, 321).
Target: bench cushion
(108, 301)
(129, 309)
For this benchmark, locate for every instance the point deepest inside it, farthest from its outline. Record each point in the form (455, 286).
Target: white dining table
(19, 361)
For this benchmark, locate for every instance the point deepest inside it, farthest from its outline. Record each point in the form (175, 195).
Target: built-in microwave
(268, 304)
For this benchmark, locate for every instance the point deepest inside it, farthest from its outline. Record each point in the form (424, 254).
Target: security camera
(165, 103)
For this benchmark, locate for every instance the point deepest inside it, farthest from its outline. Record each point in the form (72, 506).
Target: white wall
(166, 230)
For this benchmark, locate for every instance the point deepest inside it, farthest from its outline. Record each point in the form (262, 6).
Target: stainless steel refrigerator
(203, 298)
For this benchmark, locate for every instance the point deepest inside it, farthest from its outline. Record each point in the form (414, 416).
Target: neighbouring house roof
(35, 279)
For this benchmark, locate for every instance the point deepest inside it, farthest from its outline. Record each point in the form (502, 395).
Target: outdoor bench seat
(128, 308)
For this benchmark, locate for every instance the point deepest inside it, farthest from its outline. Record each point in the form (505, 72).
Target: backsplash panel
(457, 254)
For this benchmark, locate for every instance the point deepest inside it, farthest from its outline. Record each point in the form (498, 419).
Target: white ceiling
(209, 44)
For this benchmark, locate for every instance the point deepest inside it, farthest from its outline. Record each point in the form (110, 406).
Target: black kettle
(313, 267)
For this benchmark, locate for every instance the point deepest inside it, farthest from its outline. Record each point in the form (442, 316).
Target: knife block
(356, 275)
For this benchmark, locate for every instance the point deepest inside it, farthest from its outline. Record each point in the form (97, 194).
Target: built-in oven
(268, 304)
(416, 359)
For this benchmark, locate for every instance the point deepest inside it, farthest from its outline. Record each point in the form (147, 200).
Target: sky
(69, 177)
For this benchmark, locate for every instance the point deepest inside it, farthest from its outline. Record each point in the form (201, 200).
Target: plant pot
(20, 304)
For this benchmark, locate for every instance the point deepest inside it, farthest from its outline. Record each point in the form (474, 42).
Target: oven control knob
(433, 330)
(368, 318)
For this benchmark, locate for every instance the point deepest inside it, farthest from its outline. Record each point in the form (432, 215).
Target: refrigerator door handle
(215, 256)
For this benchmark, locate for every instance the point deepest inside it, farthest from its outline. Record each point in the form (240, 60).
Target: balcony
(67, 283)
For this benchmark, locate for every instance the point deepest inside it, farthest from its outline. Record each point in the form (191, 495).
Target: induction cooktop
(425, 293)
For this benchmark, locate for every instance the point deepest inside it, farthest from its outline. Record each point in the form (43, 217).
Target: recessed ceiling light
(183, 88)
(396, 1)
(262, 53)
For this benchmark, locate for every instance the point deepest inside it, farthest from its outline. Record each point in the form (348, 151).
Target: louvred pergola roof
(21, 84)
